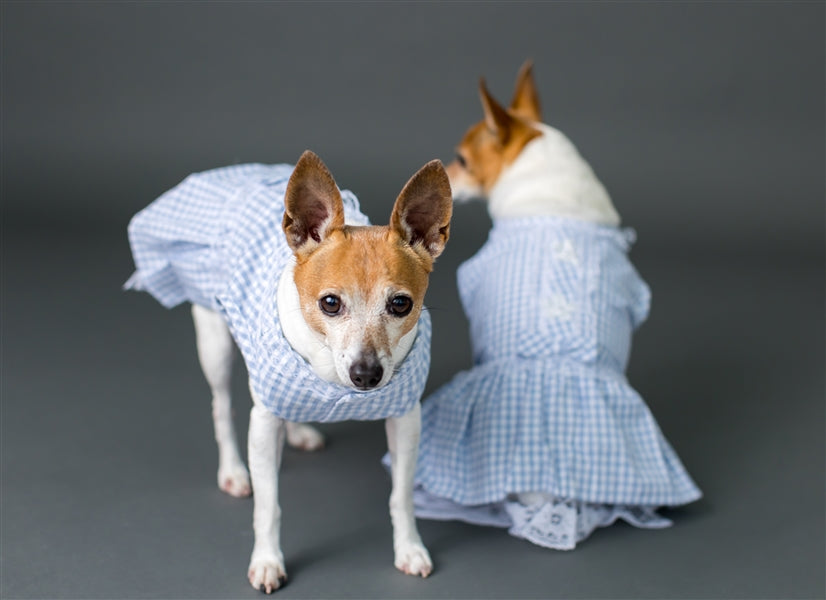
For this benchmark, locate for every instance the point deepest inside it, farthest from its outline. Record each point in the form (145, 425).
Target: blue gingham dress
(552, 304)
(216, 240)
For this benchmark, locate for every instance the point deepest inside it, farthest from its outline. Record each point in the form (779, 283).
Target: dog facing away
(326, 309)
(544, 435)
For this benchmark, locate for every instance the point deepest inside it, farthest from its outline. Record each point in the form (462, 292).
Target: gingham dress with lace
(552, 304)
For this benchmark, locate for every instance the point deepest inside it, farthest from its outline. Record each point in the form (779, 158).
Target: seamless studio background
(704, 120)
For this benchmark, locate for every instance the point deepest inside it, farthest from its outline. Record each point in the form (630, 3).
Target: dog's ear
(423, 209)
(497, 119)
(525, 101)
(313, 205)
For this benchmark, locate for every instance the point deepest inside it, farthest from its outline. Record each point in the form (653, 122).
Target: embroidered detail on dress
(564, 251)
(559, 308)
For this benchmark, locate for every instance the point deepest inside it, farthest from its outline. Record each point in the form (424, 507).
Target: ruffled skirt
(550, 449)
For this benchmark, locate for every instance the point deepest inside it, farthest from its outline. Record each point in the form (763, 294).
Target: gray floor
(108, 462)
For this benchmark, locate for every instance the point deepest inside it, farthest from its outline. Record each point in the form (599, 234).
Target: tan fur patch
(485, 156)
(367, 265)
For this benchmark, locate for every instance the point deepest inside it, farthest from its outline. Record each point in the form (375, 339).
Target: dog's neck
(550, 178)
(309, 344)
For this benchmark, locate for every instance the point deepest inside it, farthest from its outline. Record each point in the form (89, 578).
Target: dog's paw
(413, 558)
(304, 437)
(235, 481)
(267, 573)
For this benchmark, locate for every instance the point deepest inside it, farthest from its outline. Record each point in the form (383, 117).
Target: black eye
(330, 305)
(400, 306)
(461, 160)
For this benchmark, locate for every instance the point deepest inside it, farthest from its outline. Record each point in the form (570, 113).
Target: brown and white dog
(544, 435)
(354, 295)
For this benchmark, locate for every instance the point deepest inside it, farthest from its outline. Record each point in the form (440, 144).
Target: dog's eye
(330, 305)
(461, 160)
(400, 306)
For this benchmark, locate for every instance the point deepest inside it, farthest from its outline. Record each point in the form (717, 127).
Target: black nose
(366, 372)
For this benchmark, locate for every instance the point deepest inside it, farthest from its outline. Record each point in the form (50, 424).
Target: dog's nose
(366, 372)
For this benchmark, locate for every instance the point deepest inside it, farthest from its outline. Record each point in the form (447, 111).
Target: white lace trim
(555, 523)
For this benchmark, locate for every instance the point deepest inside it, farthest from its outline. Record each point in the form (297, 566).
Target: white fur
(465, 191)
(216, 352)
(265, 447)
(403, 442)
(550, 178)
(268, 432)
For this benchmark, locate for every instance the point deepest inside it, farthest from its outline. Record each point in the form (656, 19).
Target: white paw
(267, 573)
(304, 437)
(412, 558)
(235, 481)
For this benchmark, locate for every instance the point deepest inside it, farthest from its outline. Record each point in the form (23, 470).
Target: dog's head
(361, 288)
(496, 141)
(524, 167)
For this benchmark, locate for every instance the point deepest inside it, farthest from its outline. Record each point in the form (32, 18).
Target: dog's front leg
(403, 442)
(266, 441)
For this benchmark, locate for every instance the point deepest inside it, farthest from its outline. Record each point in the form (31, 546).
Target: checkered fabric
(216, 240)
(552, 304)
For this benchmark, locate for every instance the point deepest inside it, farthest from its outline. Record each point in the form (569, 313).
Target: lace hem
(556, 523)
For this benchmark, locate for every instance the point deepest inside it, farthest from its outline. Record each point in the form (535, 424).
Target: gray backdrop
(704, 120)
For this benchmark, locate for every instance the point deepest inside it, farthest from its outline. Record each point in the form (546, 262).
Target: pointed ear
(525, 101)
(313, 205)
(423, 209)
(498, 121)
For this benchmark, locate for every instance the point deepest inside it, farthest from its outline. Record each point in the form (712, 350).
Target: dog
(327, 312)
(544, 435)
